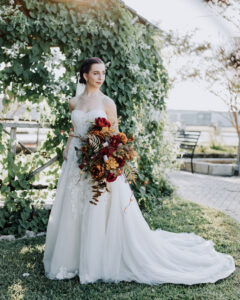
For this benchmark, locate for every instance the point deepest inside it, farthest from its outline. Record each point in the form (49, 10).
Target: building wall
(200, 118)
(214, 126)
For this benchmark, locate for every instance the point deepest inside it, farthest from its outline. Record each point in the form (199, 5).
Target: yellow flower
(104, 129)
(111, 163)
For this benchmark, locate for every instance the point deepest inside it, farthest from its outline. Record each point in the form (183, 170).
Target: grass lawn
(216, 149)
(25, 256)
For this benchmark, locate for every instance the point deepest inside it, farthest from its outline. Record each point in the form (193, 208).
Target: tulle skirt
(112, 242)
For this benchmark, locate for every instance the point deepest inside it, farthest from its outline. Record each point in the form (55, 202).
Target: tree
(228, 9)
(227, 74)
(218, 68)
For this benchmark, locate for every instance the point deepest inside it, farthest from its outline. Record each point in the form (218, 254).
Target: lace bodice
(82, 120)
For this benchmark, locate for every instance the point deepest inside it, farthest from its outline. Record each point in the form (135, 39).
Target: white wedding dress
(111, 241)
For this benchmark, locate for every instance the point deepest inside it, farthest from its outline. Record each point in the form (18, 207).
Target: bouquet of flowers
(105, 155)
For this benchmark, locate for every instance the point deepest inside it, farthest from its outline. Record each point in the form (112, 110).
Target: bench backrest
(188, 139)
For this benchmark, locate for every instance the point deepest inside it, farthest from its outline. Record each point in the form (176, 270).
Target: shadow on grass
(25, 256)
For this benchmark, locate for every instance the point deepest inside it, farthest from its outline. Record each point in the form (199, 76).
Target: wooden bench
(188, 140)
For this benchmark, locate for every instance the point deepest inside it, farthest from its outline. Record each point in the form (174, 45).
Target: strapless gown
(111, 241)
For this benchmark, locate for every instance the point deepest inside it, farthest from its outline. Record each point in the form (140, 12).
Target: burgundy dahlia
(111, 177)
(107, 151)
(115, 140)
(102, 122)
(120, 161)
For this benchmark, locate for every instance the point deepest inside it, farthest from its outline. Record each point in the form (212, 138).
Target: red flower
(107, 151)
(111, 177)
(120, 161)
(102, 122)
(115, 140)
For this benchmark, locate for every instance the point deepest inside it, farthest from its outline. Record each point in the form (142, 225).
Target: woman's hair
(86, 66)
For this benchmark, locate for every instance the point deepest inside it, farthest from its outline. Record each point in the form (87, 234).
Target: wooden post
(37, 138)
(13, 137)
(238, 154)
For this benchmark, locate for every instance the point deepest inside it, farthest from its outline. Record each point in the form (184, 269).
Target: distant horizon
(192, 110)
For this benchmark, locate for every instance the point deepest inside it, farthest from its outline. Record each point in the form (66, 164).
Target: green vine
(39, 37)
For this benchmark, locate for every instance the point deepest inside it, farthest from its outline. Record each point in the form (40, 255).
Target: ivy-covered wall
(136, 80)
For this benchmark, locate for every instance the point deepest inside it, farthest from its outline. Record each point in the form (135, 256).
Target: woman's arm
(71, 105)
(111, 111)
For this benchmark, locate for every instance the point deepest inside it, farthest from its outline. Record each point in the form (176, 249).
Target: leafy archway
(37, 38)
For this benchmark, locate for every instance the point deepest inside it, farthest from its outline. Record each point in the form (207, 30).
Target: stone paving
(222, 193)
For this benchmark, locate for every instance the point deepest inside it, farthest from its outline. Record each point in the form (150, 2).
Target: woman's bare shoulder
(109, 102)
(72, 102)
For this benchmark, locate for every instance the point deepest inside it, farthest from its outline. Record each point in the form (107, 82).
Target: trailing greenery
(25, 256)
(39, 37)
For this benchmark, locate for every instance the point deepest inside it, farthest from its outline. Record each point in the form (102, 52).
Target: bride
(112, 241)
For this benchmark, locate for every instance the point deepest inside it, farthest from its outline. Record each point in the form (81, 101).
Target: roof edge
(142, 19)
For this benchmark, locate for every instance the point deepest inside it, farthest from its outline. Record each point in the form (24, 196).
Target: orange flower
(97, 171)
(123, 137)
(97, 133)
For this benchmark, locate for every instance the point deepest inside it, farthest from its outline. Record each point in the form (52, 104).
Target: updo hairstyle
(86, 66)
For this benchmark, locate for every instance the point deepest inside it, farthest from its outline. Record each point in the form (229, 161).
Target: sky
(182, 16)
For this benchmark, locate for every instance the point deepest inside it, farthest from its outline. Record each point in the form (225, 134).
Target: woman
(107, 241)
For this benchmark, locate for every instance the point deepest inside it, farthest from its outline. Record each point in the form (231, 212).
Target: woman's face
(96, 75)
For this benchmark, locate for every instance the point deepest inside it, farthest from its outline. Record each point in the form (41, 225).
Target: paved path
(222, 193)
